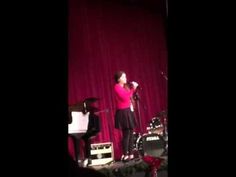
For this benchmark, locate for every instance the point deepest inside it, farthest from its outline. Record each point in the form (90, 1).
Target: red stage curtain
(104, 37)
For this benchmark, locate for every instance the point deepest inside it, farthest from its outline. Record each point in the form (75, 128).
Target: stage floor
(134, 168)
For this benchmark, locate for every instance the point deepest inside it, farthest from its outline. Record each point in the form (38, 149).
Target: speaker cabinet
(101, 153)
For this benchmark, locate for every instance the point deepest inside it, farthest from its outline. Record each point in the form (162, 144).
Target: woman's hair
(117, 75)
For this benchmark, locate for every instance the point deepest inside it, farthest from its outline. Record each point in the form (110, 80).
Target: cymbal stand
(165, 135)
(165, 129)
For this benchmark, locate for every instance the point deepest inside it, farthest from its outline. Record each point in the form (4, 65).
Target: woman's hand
(135, 84)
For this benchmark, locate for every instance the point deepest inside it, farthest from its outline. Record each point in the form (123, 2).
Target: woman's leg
(131, 141)
(125, 141)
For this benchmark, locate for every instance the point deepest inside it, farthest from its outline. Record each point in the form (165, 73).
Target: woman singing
(124, 116)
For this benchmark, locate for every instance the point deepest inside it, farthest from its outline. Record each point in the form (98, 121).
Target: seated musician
(93, 129)
(77, 115)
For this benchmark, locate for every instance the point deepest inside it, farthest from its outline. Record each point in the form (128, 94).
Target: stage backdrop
(106, 36)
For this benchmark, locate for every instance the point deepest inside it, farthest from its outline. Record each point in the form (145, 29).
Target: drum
(137, 136)
(151, 144)
(156, 126)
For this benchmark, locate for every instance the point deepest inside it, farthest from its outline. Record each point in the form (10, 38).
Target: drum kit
(155, 141)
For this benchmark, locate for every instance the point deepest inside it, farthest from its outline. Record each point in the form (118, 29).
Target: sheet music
(79, 122)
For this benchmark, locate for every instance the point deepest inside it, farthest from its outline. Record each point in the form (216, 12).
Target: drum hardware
(156, 126)
(136, 137)
(165, 127)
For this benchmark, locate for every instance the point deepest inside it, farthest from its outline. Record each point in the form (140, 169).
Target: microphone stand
(165, 117)
(165, 136)
(165, 128)
(136, 97)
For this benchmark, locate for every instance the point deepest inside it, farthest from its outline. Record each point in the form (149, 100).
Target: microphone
(133, 83)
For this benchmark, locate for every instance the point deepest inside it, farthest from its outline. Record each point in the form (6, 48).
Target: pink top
(123, 96)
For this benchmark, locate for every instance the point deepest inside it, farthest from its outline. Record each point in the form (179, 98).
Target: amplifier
(101, 153)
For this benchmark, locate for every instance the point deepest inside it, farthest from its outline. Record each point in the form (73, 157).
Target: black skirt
(125, 119)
